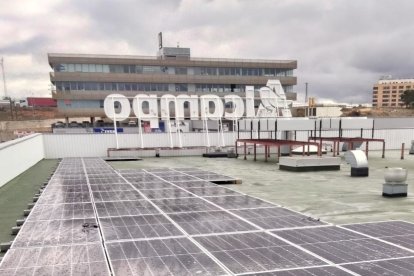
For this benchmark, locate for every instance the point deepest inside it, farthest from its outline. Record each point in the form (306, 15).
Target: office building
(387, 92)
(83, 81)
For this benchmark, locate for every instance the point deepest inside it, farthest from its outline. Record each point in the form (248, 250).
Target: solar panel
(315, 271)
(57, 232)
(166, 193)
(64, 197)
(319, 235)
(179, 178)
(276, 218)
(166, 221)
(116, 196)
(177, 205)
(396, 232)
(53, 189)
(196, 223)
(111, 180)
(137, 227)
(141, 178)
(255, 252)
(406, 241)
(194, 184)
(67, 182)
(111, 187)
(239, 202)
(61, 211)
(211, 191)
(383, 229)
(397, 267)
(176, 256)
(338, 246)
(152, 185)
(79, 259)
(124, 208)
(210, 176)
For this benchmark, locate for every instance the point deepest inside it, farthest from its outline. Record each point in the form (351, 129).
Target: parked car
(86, 124)
(58, 124)
(100, 123)
(73, 124)
(132, 123)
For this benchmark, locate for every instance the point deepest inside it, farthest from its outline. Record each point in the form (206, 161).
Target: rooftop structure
(388, 92)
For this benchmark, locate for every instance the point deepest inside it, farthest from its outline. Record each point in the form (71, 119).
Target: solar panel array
(94, 220)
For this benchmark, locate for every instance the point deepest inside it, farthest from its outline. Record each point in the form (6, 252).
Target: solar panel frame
(138, 227)
(124, 208)
(78, 259)
(212, 191)
(312, 271)
(172, 193)
(239, 202)
(105, 196)
(172, 256)
(383, 229)
(396, 267)
(188, 204)
(210, 222)
(255, 252)
(61, 211)
(277, 218)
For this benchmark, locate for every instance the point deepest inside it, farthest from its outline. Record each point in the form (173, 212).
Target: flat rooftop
(218, 232)
(333, 196)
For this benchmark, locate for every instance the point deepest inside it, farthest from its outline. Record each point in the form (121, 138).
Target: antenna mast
(4, 77)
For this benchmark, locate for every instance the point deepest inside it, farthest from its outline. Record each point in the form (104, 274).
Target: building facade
(387, 92)
(81, 82)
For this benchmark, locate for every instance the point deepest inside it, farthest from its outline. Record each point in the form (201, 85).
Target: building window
(99, 68)
(181, 70)
(181, 87)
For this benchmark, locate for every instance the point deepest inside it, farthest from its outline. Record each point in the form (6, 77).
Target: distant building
(387, 92)
(83, 81)
(41, 102)
(318, 110)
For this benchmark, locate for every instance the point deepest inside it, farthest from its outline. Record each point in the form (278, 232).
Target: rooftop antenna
(4, 77)
(160, 40)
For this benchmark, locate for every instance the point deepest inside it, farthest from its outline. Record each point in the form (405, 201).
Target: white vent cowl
(395, 175)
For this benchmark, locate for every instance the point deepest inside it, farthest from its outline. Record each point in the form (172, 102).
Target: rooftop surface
(332, 196)
(144, 217)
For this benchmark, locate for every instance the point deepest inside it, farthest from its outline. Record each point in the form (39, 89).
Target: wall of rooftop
(96, 145)
(18, 155)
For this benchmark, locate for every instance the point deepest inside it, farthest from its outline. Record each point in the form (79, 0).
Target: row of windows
(139, 69)
(110, 86)
(394, 87)
(163, 87)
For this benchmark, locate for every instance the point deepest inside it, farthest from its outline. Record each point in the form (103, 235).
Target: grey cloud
(342, 46)
(30, 45)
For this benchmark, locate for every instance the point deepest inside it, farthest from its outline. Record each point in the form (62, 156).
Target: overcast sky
(342, 46)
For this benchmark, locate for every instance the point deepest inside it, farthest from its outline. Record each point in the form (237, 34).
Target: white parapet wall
(18, 155)
(96, 145)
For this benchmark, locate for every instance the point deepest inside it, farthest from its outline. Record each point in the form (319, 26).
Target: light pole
(33, 106)
(4, 77)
